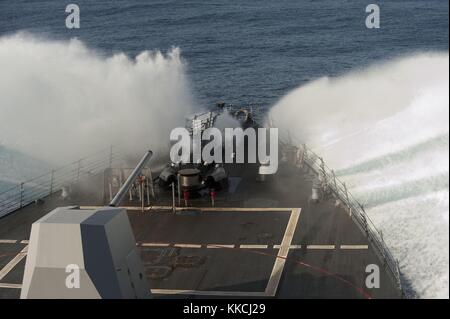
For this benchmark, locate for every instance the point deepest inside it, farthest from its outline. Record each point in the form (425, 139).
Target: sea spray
(60, 100)
(385, 130)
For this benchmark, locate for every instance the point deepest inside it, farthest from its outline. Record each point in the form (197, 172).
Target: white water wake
(386, 132)
(60, 100)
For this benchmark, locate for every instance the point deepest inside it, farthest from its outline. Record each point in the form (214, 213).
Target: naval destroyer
(160, 229)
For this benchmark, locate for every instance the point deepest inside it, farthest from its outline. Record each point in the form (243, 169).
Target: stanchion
(185, 197)
(173, 197)
(213, 197)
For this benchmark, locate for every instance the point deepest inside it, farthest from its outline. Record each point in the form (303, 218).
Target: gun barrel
(126, 186)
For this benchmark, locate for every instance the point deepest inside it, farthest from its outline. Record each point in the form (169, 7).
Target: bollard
(185, 197)
(213, 197)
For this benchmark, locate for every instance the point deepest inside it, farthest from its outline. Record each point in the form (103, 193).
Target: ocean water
(135, 68)
(244, 51)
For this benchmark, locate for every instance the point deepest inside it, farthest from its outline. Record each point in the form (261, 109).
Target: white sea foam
(60, 100)
(386, 132)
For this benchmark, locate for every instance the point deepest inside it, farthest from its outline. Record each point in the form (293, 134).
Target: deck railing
(54, 180)
(331, 184)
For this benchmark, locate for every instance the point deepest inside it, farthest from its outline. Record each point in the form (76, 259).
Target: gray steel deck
(260, 240)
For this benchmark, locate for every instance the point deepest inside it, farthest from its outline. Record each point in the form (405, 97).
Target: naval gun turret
(86, 253)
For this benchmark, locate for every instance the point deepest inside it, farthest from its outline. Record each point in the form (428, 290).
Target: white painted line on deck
(15, 286)
(25, 242)
(208, 293)
(187, 246)
(219, 246)
(320, 246)
(246, 246)
(211, 246)
(253, 246)
(8, 241)
(13, 263)
(280, 261)
(154, 245)
(354, 246)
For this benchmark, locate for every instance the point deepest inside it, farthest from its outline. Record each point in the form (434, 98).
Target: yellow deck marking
(320, 247)
(188, 245)
(354, 246)
(208, 293)
(8, 241)
(219, 246)
(15, 286)
(215, 246)
(13, 263)
(280, 261)
(253, 246)
(154, 245)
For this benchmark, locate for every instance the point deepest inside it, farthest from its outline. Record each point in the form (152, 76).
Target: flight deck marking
(5, 285)
(13, 241)
(290, 247)
(320, 247)
(153, 245)
(277, 269)
(220, 246)
(209, 246)
(13, 263)
(180, 292)
(208, 293)
(280, 261)
(188, 245)
(253, 246)
(8, 241)
(354, 246)
(217, 246)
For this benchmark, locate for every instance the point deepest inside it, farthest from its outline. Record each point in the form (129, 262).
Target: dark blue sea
(244, 51)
